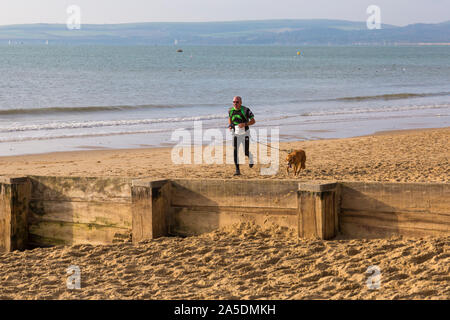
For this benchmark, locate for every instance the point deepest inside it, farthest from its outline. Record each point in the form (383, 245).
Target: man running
(239, 119)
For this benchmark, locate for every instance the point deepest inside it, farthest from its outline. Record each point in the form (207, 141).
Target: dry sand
(241, 262)
(406, 156)
(244, 262)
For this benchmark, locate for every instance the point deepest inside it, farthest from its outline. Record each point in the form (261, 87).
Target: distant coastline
(258, 32)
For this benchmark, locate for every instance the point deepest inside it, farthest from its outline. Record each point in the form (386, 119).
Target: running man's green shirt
(242, 115)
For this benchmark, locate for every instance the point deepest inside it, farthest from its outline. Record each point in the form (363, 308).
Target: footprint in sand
(352, 251)
(398, 276)
(422, 258)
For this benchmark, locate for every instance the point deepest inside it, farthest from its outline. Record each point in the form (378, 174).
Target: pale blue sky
(398, 12)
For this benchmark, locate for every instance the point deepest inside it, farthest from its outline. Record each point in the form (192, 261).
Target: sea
(68, 97)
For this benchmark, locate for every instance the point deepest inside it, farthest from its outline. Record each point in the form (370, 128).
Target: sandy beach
(400, 156)
(241, 262)
(244, 261)
(118, 122)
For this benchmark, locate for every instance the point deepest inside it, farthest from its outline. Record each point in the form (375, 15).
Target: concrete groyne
(46, 211)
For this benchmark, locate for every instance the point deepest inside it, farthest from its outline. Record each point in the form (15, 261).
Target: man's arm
(242, 125)
(249, 115)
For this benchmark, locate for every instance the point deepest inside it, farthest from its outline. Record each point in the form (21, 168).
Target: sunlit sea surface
(61, 98)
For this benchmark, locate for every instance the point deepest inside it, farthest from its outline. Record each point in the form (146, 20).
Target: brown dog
(297, 158)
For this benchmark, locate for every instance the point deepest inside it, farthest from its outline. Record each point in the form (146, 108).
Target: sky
(397, 12)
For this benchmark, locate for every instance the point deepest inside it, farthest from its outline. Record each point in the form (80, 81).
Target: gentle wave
(375, 110)
(62, 110)
(386, 97)
(152, 131)
(394, 96)
(80, 135)
(92, 109)
(111, 123)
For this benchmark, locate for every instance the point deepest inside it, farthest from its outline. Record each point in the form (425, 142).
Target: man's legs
(247, 151)
(236, 149)
(237, 141)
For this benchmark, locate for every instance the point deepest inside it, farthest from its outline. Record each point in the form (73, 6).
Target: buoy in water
(299, 53)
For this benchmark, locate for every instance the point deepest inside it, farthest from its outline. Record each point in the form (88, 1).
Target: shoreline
(94, 149)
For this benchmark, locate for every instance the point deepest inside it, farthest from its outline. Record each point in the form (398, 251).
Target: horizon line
(215, 21)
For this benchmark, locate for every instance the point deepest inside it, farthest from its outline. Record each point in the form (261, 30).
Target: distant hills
(263, 32)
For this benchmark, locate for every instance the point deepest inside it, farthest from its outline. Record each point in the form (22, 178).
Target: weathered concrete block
(235, 193)
(98, 189)
(200, 206)
(74, 210)
(317, 210)
(151, 206)
(14, 199)
(317, 186)
(189, 221)
(378, 210)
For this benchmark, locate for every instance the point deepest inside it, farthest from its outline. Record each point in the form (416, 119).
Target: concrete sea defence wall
(313, 209)
(150, 209)
(192, 207)
(384, 209)
(72, 210)
(14, 200)
(44, 211)
(202, 206)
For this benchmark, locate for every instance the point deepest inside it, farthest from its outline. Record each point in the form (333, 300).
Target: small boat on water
(179, 50)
